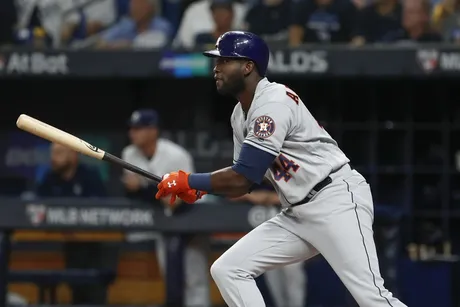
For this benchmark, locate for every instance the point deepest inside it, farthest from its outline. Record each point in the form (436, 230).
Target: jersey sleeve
(269, 126)
(236, 142)
(236, 149)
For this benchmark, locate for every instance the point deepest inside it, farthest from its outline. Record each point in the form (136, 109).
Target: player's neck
(245, 101)
(245, 97)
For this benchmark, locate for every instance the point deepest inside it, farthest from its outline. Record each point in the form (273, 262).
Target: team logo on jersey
(264, 126)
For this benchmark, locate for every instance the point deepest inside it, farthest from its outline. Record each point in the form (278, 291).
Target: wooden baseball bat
(56, 135)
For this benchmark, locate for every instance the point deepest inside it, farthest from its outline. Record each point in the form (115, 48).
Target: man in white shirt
(198, 19)
(159, 156)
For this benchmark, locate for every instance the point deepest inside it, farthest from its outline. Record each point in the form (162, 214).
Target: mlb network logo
(36, 214)
(428, 60)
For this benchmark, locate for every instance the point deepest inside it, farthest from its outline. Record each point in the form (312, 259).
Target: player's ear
(248, 68)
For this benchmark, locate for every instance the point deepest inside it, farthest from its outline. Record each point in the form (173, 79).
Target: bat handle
(111, 158)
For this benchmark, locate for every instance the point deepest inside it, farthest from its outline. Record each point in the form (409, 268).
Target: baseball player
(327, 204)
(159, 155)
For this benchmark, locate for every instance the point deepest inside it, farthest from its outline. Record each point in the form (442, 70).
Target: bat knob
(21, 120)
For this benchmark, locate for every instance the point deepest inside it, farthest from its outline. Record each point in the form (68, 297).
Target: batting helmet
(240, 44)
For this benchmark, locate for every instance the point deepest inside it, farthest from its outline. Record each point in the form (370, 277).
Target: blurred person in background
(287, 284)
(269, 19)
(88, 21)
(446, 19)
(54, 22)
(322, 21)
(222, 15)
(198, 19)
(360, 4)
(416, 24)
(143, 28)
(8, 19)
(67, 177)
(159, 156)
(377, 20)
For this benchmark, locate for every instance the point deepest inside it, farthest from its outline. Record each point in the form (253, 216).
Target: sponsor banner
(34, 63)
(298, 62)
(211, 214)
(438, 61)
(185, 65)
(43, 215)
(388, 60)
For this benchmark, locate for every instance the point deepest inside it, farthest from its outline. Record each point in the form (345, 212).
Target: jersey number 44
(283, 169)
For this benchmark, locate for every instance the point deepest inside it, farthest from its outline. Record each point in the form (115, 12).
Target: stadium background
(394, 112)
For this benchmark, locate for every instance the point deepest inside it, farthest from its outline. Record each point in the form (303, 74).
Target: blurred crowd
(197, 24)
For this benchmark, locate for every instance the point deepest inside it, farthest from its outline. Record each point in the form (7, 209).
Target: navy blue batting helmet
(240, 44)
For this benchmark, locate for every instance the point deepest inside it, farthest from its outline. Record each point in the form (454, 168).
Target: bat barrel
(56, 135)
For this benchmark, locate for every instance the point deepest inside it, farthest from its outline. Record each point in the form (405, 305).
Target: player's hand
(173, 184)
(191, 196)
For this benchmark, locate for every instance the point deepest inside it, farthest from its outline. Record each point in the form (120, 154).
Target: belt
(317, 188)
(314, 191)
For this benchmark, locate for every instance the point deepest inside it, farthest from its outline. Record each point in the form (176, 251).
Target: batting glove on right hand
(191, 196)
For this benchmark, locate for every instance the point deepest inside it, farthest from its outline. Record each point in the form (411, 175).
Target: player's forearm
(230, 183)
(236, 180)
(225, 182)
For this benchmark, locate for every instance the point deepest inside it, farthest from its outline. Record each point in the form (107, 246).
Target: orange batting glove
(191, 196)
(176, 184)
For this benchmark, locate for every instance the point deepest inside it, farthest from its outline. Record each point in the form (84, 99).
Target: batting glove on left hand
(176, 185)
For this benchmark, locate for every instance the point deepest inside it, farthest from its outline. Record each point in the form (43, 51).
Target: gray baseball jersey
(279, 123)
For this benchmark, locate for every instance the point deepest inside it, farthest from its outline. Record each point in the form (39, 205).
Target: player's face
(141, 136)
(62, 158)
(229, 75)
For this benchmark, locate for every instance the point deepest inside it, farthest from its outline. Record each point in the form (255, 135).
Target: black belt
(314, 191)
(318, 188)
